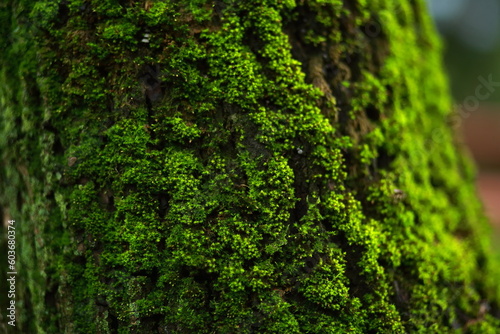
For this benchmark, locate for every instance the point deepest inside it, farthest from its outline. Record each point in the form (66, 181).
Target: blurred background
(471, 34)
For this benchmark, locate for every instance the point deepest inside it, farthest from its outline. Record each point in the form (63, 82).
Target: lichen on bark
(223, 166)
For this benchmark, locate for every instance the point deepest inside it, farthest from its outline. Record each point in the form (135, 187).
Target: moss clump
(227, 167)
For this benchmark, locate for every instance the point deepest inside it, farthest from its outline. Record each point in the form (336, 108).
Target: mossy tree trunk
(272, 166)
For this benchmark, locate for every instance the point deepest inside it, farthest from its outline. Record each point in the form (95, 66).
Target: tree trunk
(269, 166)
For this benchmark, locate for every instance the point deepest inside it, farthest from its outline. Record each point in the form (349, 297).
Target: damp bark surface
(237, 167)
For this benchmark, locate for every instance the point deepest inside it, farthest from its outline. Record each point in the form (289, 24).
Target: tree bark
(269, 166)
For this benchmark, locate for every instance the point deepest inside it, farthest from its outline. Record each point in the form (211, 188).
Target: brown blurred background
(471, 34)
(482, 134)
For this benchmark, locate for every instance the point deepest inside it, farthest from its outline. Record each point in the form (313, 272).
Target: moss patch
(266, 166)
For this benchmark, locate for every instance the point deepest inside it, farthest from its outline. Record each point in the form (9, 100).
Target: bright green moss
(120, 31)
(214, 168)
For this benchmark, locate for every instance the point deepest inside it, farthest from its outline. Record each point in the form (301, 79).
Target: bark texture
(264, 166)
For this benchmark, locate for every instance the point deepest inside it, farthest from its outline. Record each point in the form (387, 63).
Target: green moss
(213, 168)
